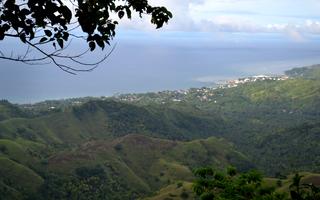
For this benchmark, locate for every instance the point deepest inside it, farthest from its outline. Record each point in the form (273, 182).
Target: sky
(206, 41)
(294, 18)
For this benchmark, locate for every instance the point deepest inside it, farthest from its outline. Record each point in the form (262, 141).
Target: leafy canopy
(211, 184)
(50, 20)
(39, 23)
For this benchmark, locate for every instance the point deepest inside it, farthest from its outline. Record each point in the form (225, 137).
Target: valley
(132, 145)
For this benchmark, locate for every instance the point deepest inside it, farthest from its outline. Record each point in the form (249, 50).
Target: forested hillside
(275, 123)
(132, 145)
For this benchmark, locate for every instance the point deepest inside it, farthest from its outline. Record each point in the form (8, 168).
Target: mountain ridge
(266, 125)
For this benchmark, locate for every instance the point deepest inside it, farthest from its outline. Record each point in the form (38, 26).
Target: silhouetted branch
(39, 23)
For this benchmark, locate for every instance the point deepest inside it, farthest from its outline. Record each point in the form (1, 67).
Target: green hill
(134, 165)
(183, 190)
(149, 163)
(274, 122)
(7, 111)
(176, 191)
(109, 119)
(124, 149)
(309, 72)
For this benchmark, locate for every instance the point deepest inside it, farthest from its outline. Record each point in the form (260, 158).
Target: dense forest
(130, 146)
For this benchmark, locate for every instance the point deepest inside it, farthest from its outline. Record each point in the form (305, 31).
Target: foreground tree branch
(40, 23)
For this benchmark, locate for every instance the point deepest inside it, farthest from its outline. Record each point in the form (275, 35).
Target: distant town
(201, 94)
(235, 83)
(204, 94)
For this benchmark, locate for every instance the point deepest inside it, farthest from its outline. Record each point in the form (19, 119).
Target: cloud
(249, 16)
(312, 26)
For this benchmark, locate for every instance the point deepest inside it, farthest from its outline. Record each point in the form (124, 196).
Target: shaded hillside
(266, 120)
(7, 111)
(21, 168)
(295, 149)
(274, 123)
(133, 166)
(109, 119)
(153, 161)
(135, 148)
(254, 116)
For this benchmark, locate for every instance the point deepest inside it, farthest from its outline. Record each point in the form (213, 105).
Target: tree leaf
(128, 12)
(23, 37)
(25, 11)
(60, 43)
(1, 33)
(65, 36)
(120, 14)
(43, 39)
(100, 43)
(92, 45)
(48, 33)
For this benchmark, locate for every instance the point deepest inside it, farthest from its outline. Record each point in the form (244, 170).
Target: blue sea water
(142, 63)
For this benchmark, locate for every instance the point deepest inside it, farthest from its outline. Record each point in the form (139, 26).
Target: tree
(39, 23)
(211, 184)
(303, 191)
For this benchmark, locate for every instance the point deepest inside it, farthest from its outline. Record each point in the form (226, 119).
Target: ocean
(155, 63)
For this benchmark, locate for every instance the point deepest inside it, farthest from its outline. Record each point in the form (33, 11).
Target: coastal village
(204, 94)
(235, 83)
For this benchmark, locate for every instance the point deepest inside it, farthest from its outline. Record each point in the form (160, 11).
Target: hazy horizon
(154, 66)
(206, 41)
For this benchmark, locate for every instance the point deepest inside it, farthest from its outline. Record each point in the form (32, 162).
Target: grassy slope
(275, 123)
(18, 176)
(145, 164)
(254, 116)
(265, 120)
(285, 183)
(20, 165)
(136, 163)
(179, 190)
(35, 144)
(7, 111)
(109, 119)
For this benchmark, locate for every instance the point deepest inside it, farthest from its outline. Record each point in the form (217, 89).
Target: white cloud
(251, 16)
(312, 26)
